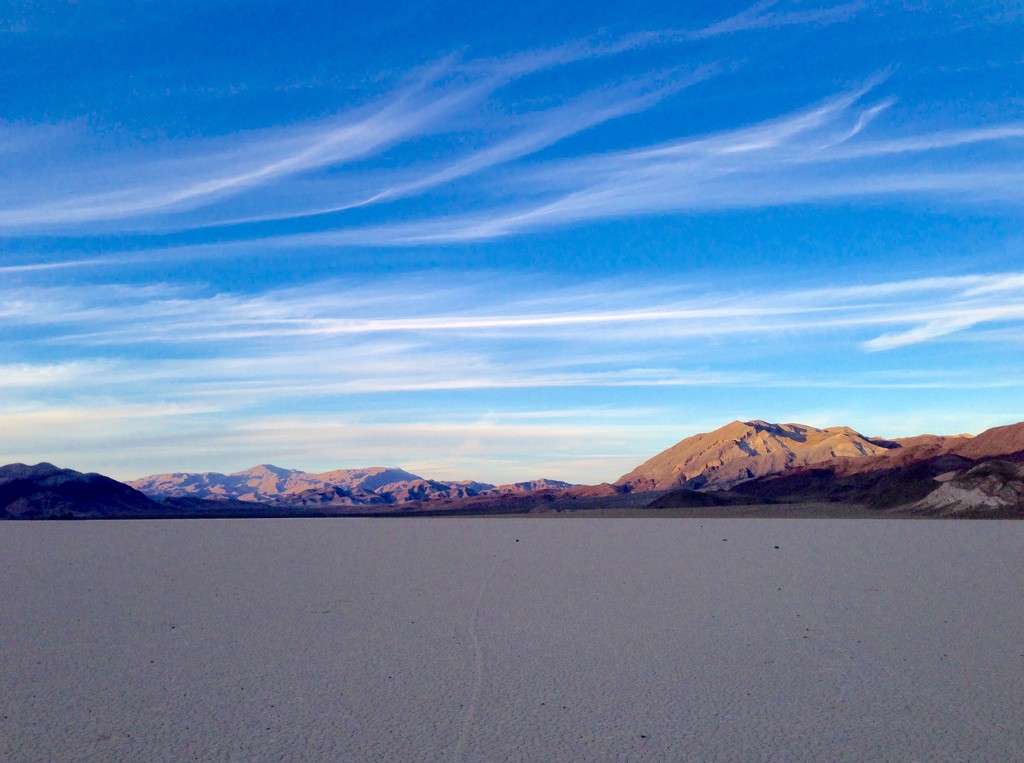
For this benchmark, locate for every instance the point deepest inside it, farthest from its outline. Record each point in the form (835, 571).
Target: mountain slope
(995, 442)
(45, 491)
(883, 487)
(740, 451)
(927, 475)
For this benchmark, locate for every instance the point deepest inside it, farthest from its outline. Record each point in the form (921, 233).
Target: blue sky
(501, 241)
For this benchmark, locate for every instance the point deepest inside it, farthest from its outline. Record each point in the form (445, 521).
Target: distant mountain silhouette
(370, 486)
(45, 491)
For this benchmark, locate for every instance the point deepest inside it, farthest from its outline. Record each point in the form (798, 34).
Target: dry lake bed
(517, 639)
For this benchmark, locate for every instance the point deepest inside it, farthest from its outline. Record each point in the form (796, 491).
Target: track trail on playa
(479, 668)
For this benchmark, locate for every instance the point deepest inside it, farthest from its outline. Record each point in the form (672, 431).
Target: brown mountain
(936, 476)
(995, 442)
(743, 450)
(44, 491)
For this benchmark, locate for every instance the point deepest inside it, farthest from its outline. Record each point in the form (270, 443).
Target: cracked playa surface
(512, 639)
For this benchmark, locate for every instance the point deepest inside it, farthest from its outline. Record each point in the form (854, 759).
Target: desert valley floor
(518, 639)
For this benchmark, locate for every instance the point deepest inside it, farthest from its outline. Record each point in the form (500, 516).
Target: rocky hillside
(992, 488)
(954, 476)
(743, 450)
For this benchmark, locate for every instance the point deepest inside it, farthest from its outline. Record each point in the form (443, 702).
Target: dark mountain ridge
(44, 491)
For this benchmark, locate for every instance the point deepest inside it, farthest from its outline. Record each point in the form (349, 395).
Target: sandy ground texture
(513, 639)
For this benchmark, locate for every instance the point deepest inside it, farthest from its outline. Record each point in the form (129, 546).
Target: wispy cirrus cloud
(935, 325)
(242, 163)
(819, 154)
(765, 14)
(310, 183)
(490, 160)
(405, 313)
(293, 171)
(148, 190)
(542, 129)
(383, 365)
(770, 15)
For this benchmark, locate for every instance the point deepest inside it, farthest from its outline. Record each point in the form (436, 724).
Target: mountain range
(741, 463)
(375, 485)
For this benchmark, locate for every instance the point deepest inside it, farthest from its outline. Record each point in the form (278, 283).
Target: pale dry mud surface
(516, 639)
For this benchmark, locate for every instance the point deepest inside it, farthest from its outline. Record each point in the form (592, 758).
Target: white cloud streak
(819, 154)
(504, 184)
(206, 173)
(374, 320)
(291, 172)
(165, 377)
(263, 159)
(544, 129)
(828, 151)
(763, 15)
